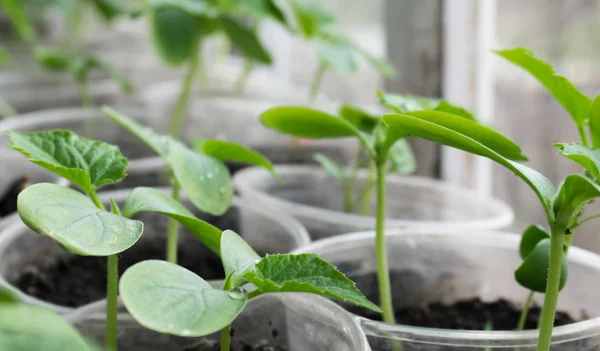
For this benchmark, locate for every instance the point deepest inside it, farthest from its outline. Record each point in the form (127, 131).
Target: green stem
(348, 203)
(583, 135)
(316, 83)
(552, 287)
(173, 231)
(182, 101)
(383, 274)
(242, 80)
(364, 199)
(226, 338)
(525, 311)
(585, 220)
(112, 294)
(75, 16)
(96, 200)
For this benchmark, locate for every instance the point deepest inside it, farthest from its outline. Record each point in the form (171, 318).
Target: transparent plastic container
(448, 265)
(225, 115)
(298, 322)
(316, 200)
(266, 231)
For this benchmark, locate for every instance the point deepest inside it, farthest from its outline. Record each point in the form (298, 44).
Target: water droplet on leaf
(238, 294)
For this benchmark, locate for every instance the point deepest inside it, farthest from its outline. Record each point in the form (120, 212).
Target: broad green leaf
(238, 258)
(110, 9)
(586, 157)
(445, 106)
(595, 121)
(404, 125)
(159, 143)
(144, 199)
(192, 7)
(170, 299)
(7, 297)
(53, 59)
(574, 193)
(574, 101)
(486, 136)
(73, 221)
(530, 238)
(245, 40)
(330, 167)
(16, 13)
(336, 53)
(311, 18)
(175, 34)
(402, 158)
(306, 273)
(533, 272)
(360, 118)
(230, 151)
(205, 180)
(406, 103)
(88, 164)
(28, 327)
(306, 122)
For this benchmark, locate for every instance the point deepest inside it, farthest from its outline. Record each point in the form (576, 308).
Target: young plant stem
(182, 101)
(316, 83)
(552, 288)
(226, 338)
(351, 181)
(242, 80)
(525, 311)
(583, 135)
(173, 231)
(364, 199)
(383, 274)
(112, 294)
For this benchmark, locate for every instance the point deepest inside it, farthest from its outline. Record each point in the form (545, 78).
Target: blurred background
(438, 48)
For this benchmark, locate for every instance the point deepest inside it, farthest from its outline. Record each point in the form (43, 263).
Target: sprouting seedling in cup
(177, 301)
(201, 174)
(382, 148)
(561, 206)
(585, 114)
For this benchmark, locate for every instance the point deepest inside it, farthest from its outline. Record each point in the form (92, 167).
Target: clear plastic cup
(298, 322)
(266, 231)
(449, 265)
(316, 200)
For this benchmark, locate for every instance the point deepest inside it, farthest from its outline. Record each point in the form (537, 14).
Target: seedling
(562, 206)
(170, 299)
(6, 110)
(384, 149)
(201, 175)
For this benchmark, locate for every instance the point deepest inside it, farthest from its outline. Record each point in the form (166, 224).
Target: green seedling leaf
(16, 13)
(531, 274)
(336, 53)
(7, 297)
(73, 221)
(360, 118)
(574, 101)
(230, 151)
(158, 143)
(245, 40)
(88, 164)
(383, 66)
(238, 258)
(310, 18)
(486, 136)
(5, 60)
(204, 179)
(144, 199)
(574, 193)
(445, 106)
(402, 158)
(110, 9)
(53, 59)
(330, 167)
(586, 157)
(110, 71)
(595, 121)
(530, 238)
(406, 103)
(175, 32)
(192, 7)
(28, 327)
(170, 299)
(405, 125)
(306, 273)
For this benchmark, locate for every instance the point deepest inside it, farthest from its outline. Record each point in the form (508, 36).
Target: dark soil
(8, 200)
(77, 280)
(241, 346)
(472, 314)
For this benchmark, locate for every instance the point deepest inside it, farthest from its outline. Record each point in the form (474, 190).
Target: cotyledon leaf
(238, 258)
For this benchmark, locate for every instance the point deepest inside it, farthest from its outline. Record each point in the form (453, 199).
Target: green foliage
(170, 299)
(158, 143)
(86, 163)
(305, 273)
(230, 151)
(7, 297)
(330, 167)
(575, 102)
(73, 221)
(595, 121)
(586, 157)
(143, 199)
(175, 32)
(409, 103)
(5, 60)
(16, 13)
(574, 193)
(245, 40)
(238, 258)
(402, 158)
(360, 118)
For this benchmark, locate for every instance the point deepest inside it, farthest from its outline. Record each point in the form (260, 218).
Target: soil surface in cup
(8, 200)
(471, 314)
(240, 346)
(74, 281)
